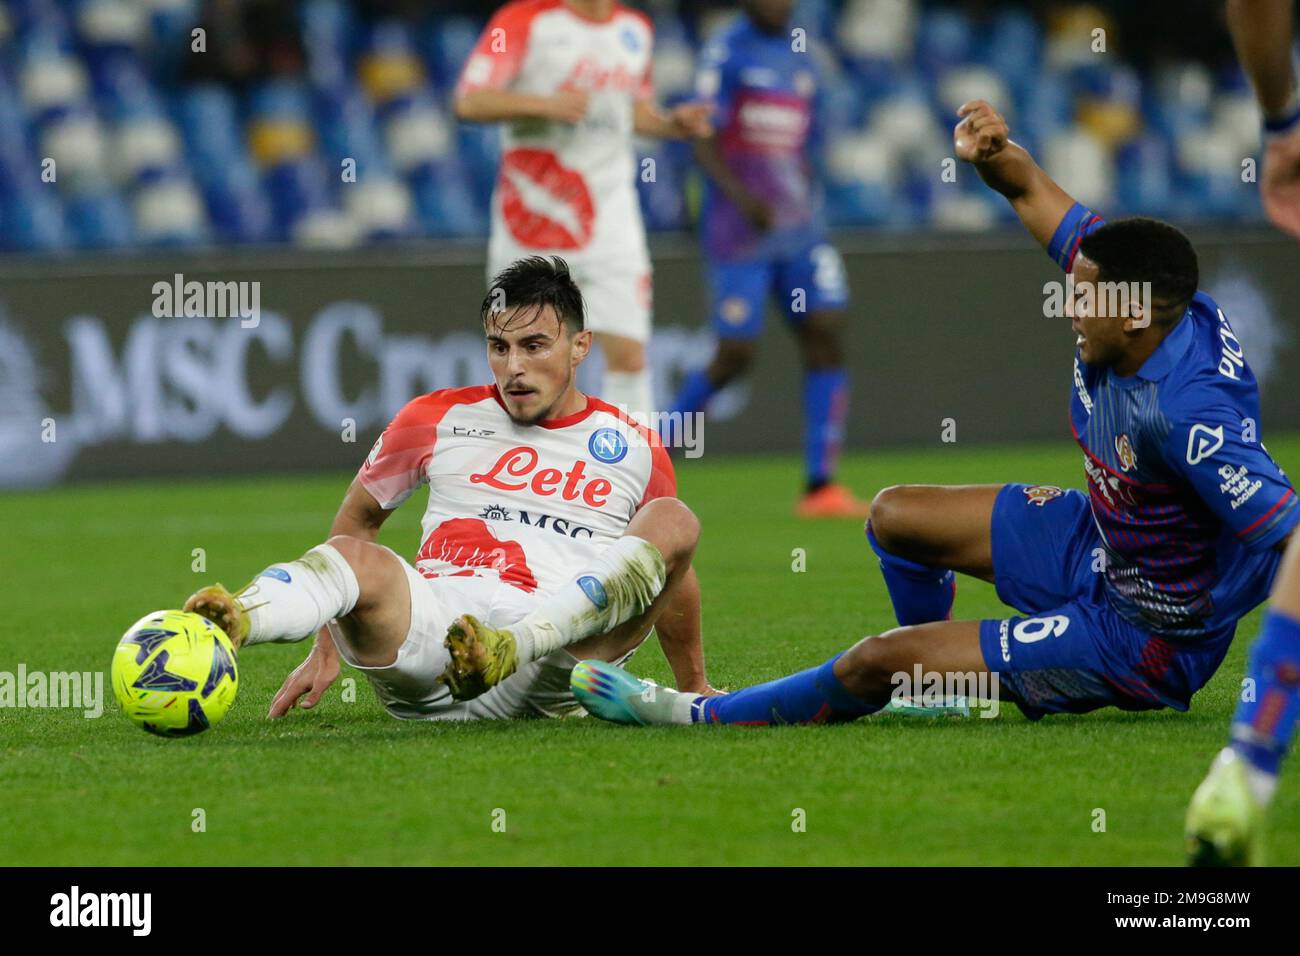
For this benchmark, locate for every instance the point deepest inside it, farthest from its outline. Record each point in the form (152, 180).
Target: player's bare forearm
(983, 140)
(494, 106)
(685, 121)
(649, 120)
(1262, 33)
(359, 516)
(679, 633)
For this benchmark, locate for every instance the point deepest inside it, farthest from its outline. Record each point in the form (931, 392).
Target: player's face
(534, 357)
(770, 15)
(1100, 338)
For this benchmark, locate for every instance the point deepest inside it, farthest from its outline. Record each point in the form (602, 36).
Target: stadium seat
(100, 221)
(33, 222)
(208, 119)
(381, 206)
(417, 132)
(279, 127)
(447, 47)
(96, 86)
(77, 144)
(144, 147)
(296, 188)
(944, 39)
(349, 131)
(169, 212)
(390, 67)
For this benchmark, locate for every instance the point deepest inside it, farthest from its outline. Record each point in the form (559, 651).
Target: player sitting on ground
(548, 510)
(1133, 592)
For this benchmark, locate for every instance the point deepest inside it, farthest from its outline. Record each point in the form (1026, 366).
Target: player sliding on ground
(549, 511)
(1130, 595)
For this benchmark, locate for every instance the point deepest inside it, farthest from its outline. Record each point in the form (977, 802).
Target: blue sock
(825, 406)
(814, 696)
(1262, 728)
(919, 593)
(695, 392)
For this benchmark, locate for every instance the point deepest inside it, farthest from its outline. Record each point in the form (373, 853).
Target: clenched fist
(981, 134)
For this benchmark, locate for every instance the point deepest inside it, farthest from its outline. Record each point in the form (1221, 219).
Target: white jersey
(527, 505)
(563, 188)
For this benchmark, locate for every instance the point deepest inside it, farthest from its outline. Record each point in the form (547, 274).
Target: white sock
(683, 707)
(623, 582)
(676, 706)
(291, 601)
(1262, 784)
(631, 391)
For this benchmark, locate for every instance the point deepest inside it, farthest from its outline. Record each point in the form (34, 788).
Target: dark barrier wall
(97, 379)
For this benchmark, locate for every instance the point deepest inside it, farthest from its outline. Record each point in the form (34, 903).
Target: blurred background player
(1131, 593)
(1226, 817)
(571, 81)
(764, 234)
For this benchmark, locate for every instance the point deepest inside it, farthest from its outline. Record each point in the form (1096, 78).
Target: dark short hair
(530, 285)
(1139, 249)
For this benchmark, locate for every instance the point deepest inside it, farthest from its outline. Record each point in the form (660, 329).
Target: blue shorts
(807, 281)
(1074, 652)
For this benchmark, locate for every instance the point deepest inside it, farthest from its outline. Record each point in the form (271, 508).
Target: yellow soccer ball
(174, 673)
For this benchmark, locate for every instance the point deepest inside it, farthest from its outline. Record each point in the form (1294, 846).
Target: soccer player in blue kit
(1129, 595)
(764, 235)
(1225, 820)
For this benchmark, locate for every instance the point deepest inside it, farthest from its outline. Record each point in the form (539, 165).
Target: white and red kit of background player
(515, 512)
(570, 189)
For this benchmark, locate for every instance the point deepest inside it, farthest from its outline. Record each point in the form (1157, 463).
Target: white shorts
(618, 296)
(409, 689)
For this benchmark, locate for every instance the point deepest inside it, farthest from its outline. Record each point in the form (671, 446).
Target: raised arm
(1263, 31)
(983, 139)
(1262, 34)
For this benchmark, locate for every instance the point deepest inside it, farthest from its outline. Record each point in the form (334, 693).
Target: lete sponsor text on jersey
(516, 470)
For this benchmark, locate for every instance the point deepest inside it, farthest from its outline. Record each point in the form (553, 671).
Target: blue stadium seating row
(104, 146)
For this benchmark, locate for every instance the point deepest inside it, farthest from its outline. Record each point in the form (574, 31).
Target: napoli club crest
(1041, 494)
(607, 445)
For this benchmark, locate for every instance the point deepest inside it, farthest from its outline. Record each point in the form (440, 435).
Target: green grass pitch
(346, 784)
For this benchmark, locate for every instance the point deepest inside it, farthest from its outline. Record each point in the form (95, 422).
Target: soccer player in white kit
(570, 80)
(551, 523)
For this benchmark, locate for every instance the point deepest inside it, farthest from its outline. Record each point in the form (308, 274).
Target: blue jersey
(1187, 500)
(764, 95)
